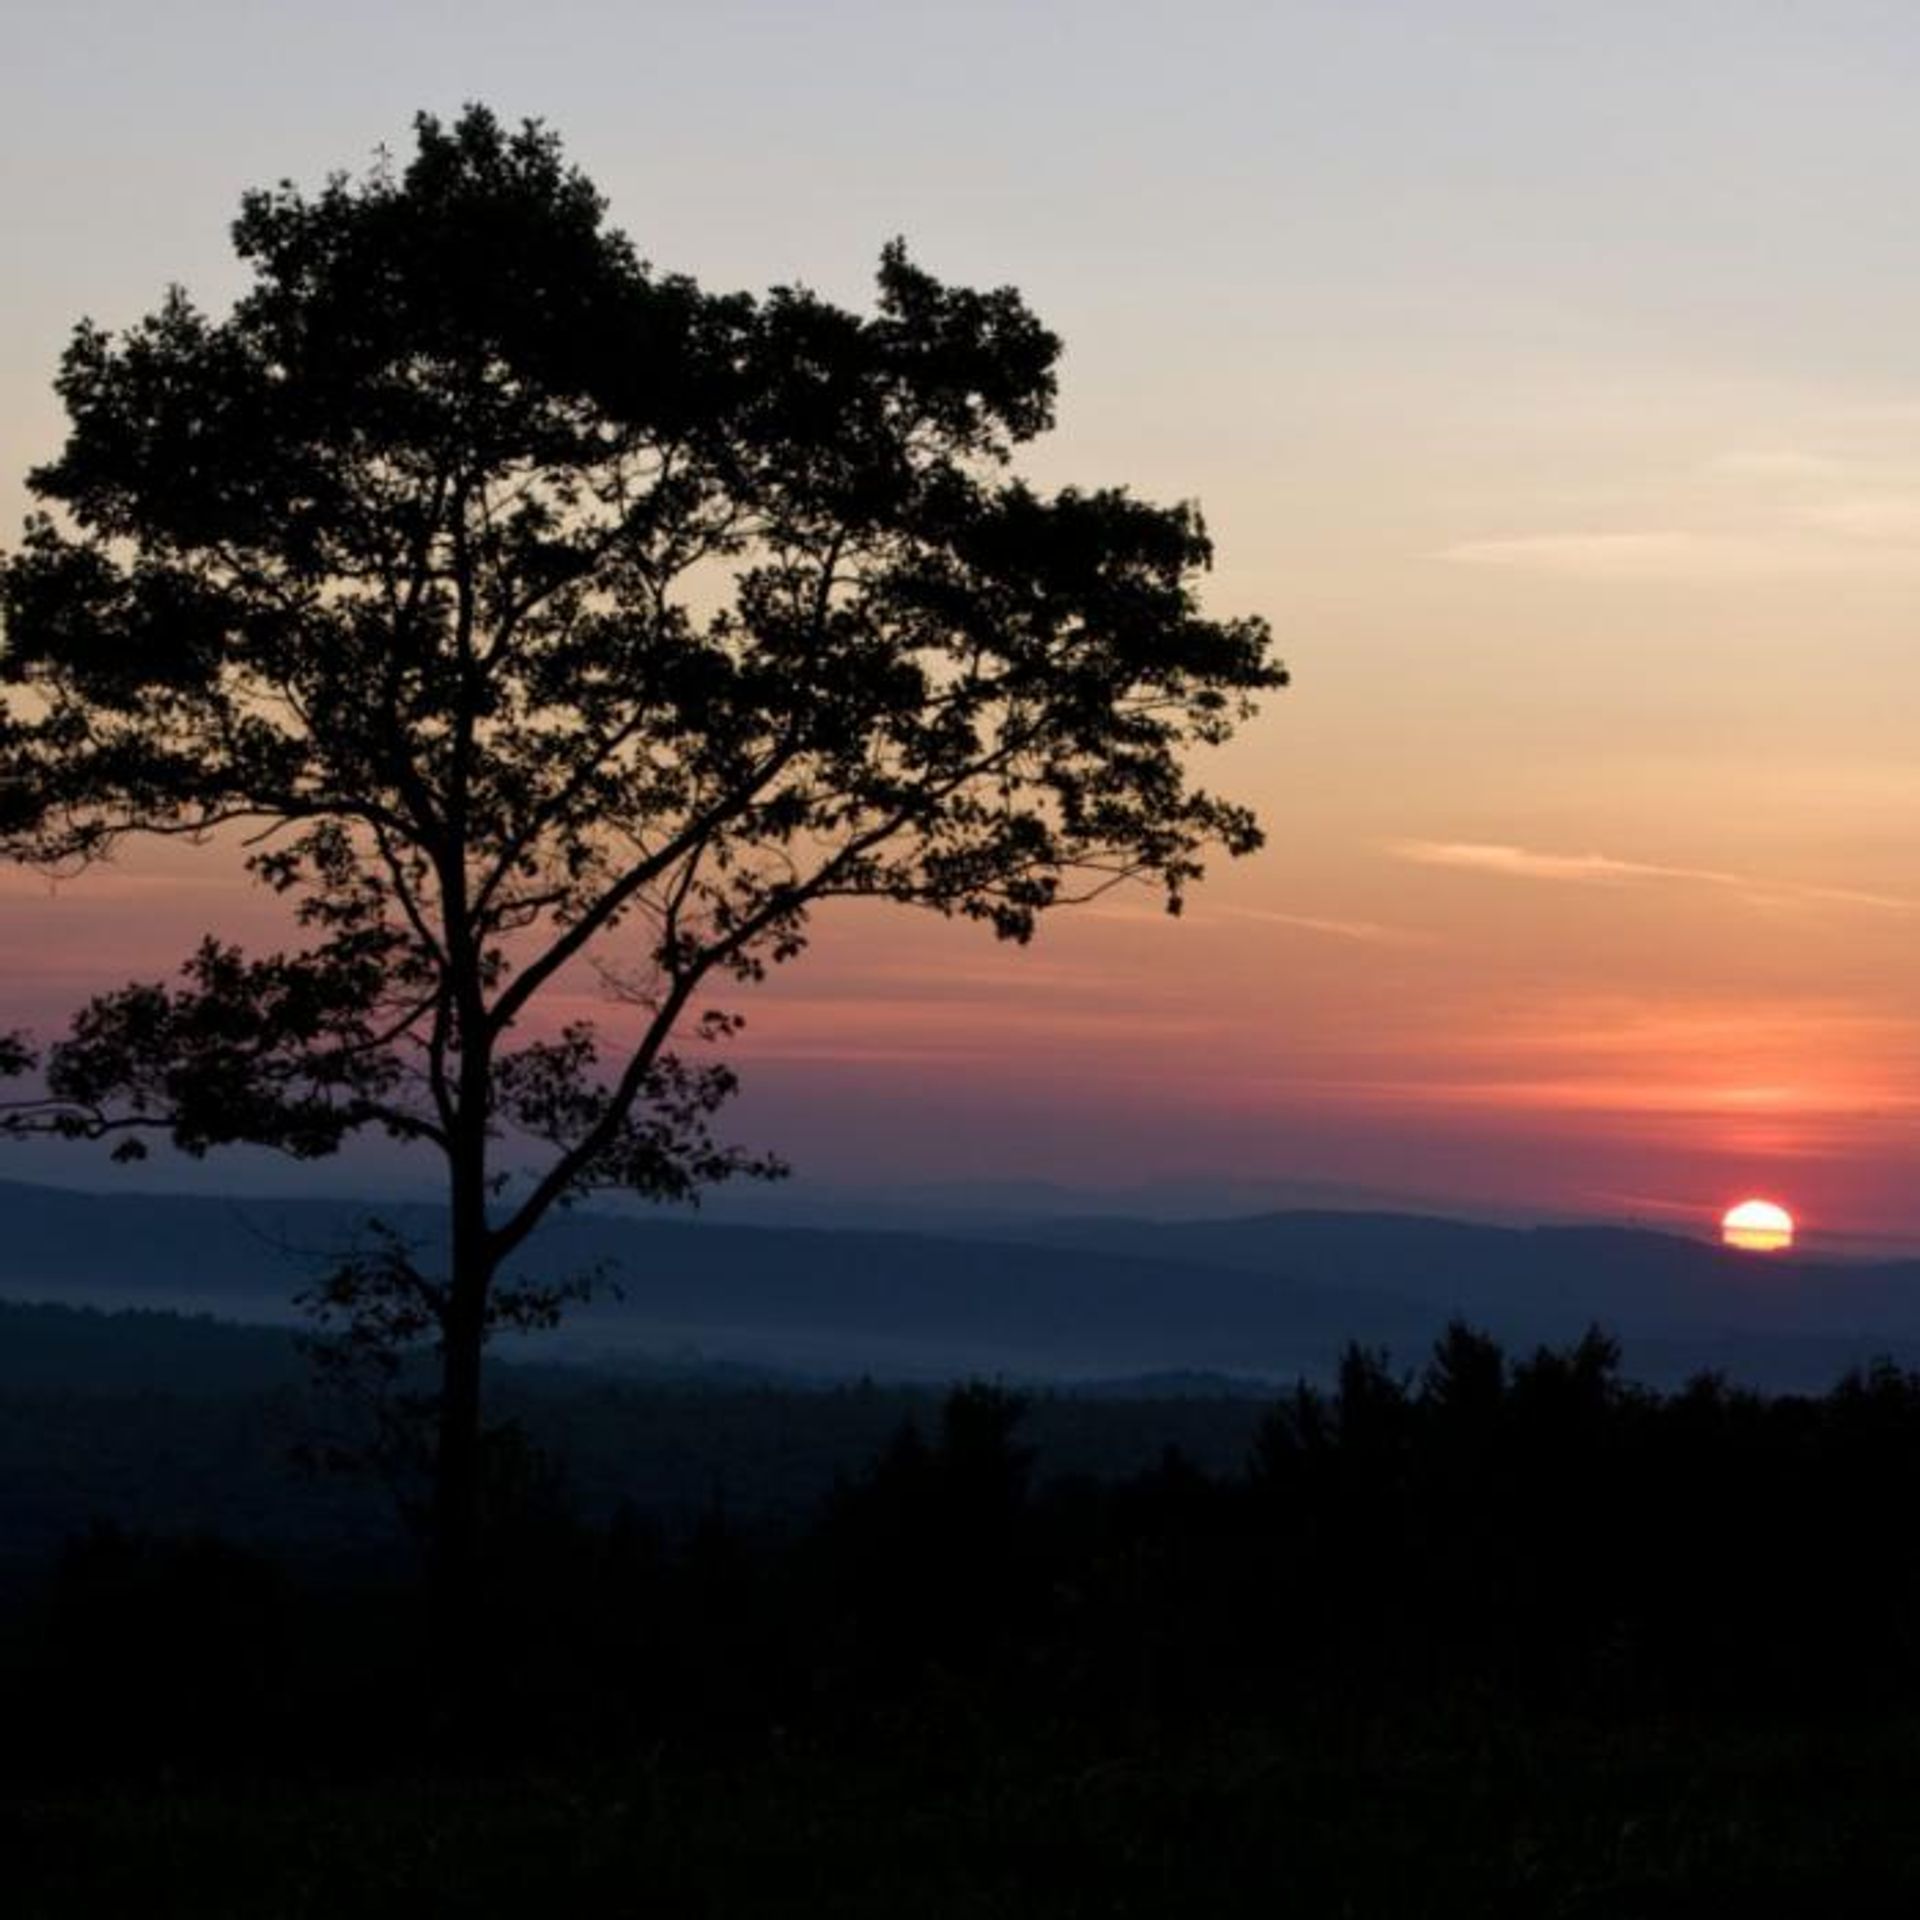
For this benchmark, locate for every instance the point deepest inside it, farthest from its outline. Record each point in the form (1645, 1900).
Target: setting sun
(1757, 1226)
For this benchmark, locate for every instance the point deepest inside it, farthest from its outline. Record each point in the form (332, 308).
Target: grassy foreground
(1513, 1640)
(945, 1815)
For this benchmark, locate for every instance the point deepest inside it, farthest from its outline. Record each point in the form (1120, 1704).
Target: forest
(1502, 1632)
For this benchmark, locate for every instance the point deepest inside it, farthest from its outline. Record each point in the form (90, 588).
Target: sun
(1757, 1226)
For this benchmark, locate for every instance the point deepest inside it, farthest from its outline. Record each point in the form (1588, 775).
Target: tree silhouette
(932, 1545)
(519, 612)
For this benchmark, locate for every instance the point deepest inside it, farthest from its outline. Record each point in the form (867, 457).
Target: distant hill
(48, 1348)
(831, 1303)
(1264, 1298)
(1537, 1282)
(1003, 1209)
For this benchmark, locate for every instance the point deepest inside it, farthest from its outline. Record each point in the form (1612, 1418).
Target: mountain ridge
(1271, 1296)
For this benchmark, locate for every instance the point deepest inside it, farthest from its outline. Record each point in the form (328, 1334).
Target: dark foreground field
(956, 1812)
(1500, 1636)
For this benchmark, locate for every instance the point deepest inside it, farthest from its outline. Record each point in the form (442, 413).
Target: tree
(512, 609)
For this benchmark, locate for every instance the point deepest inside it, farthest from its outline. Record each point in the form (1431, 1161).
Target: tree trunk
(455, 1515)
(456, 1465)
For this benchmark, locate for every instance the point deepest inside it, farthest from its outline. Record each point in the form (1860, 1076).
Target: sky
(1549, 376)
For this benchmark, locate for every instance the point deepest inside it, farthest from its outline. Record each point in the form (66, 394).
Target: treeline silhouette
(1535, 1527)
(1530, 1529)
(180, 1425)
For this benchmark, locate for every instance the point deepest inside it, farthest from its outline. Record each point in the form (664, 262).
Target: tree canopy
(518, 608)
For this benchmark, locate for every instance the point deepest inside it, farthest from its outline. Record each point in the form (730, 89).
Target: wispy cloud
(1368, 932)
(1745, 513)
(1754, 1030)
(1601, 869)
(1777, 463)
(1891, 517)
(1763, 1076)
(1658, 554)
(1524, 863)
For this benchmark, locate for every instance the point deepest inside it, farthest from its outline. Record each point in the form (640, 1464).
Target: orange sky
(1551, 382)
